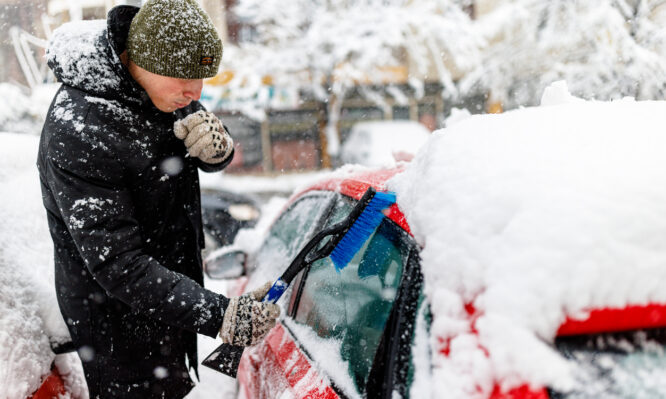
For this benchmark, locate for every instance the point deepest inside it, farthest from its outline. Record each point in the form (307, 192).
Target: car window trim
(412, 266)
(388, 370)
(299, 281)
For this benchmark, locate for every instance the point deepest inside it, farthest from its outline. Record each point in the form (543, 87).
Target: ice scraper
(345, 240)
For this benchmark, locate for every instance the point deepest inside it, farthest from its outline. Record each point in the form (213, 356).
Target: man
(118, 163)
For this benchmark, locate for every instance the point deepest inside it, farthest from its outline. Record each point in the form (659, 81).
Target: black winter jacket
(123, 207)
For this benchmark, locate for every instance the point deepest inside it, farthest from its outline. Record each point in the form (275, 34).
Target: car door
(339, 320)
(258, 375)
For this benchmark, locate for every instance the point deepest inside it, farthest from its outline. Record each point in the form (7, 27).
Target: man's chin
(171, 107)
(167, 108)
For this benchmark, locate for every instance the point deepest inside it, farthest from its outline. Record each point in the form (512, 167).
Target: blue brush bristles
(361, 230)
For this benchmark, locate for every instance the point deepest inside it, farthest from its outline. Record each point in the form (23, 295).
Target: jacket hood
(85, 55)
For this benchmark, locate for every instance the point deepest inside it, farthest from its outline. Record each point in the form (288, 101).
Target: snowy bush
(22, 111)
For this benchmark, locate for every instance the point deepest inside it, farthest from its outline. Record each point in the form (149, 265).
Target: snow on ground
(212, 384)
(532, 216)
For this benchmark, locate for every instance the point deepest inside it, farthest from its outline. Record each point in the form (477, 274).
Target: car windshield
(288, 234)
(351, 307)
(617, 365)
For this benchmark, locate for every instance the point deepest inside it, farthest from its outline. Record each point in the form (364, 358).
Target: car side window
(289, 233)
(351, 307)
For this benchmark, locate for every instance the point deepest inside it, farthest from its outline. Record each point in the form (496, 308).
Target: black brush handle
(226, 357)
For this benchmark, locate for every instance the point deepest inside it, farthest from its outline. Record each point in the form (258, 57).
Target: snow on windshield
(532, 216)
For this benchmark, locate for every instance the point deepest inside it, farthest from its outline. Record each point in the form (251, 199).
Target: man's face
(167, 94)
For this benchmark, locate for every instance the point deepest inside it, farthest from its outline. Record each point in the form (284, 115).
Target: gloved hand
(246, 320)
(205, 137)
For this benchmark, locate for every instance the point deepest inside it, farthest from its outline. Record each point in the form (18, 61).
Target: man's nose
(193, 89)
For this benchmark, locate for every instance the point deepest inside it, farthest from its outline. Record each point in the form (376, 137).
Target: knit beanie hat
(174, 38)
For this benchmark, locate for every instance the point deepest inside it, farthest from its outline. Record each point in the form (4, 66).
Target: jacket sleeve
(88, 187)
(215, 167)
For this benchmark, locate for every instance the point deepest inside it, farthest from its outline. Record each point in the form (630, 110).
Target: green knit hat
(174, 38)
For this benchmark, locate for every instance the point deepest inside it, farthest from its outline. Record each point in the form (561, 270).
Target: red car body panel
(522, 392)
(616, 319)
(52, 386)
(288, 368)
(355, 186)
(278, 363)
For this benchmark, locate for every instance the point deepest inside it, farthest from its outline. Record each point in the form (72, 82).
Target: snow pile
(22, 111)
(457, 115)
(15, 104)
(558, 93)
(532, 216)
(382, 143)
(29, 313)
(605, 49)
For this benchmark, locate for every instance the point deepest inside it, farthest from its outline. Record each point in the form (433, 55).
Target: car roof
(603, 319)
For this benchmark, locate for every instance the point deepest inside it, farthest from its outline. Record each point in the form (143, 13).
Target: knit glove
(246, 320)
(205, 137)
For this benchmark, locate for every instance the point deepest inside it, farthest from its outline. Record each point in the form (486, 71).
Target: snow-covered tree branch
(327, 47)
(604, 49)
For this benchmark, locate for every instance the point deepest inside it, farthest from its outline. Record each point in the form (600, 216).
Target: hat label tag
(206, 60)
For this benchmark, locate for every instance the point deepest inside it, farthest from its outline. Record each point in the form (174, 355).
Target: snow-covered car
(524, 259)
(382, 143)
(31, 326)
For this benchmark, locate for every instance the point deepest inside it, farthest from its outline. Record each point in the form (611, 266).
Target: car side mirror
(225, 263)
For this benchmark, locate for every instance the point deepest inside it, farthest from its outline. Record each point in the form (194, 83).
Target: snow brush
(345, 239)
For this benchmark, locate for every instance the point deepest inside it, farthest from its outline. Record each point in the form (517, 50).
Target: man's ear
(124, 58)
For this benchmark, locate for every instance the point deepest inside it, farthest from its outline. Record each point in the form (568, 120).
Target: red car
(363, 332)
(52, 387)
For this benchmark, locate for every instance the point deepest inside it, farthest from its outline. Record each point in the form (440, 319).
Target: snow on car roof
(530, 217)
